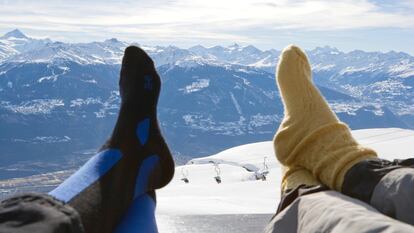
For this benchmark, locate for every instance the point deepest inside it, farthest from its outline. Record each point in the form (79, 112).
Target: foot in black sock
(135, 160)
(137, 132)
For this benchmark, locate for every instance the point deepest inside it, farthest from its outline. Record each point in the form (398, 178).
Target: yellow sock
(293, 177)
(310, 135)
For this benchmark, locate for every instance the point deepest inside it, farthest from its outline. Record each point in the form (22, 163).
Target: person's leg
(297, 181)
(307, 206)
(311, 136)
(140, 215)
(333, 212)
(38, 213)
(135, 159)
(387, 186)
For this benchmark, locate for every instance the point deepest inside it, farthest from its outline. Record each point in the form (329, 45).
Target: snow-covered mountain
(60, 100)
(15, 47)
(15, 43)
(368, 75)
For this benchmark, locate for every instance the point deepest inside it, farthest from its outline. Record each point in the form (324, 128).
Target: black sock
(135, 160)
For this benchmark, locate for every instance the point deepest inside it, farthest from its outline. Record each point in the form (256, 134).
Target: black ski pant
(386, 202)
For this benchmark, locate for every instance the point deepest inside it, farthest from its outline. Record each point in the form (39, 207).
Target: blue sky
(348, 24)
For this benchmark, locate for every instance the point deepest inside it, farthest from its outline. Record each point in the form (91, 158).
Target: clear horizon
(369, 25)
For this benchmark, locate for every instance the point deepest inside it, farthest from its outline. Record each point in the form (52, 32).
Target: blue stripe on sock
(90, 172)
(148, 83)
(140, 217)
(143, 131)
(144, 172)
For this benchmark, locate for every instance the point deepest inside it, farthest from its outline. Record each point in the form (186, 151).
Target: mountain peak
(112, 40)
(326, 49)
(197, 47)
(234, 46)
(16, 33)
(252, 49)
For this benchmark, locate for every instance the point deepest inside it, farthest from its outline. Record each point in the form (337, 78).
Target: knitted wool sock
(296, 176)
(310, 135)
(135, 160)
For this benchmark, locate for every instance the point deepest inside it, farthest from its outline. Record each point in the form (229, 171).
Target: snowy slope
(239, 192)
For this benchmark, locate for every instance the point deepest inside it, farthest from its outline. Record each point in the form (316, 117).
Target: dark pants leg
(394, 195)
(331, 211)
(38, 213)
(387, 186)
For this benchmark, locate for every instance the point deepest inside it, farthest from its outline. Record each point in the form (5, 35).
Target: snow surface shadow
(240, 223)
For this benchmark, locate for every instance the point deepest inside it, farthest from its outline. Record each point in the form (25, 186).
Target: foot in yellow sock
(310, 135)
(296, 176)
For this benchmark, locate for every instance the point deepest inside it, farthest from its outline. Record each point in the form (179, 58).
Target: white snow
(50, 139)
(239, 192)
(323, 67)
(265, 62)
(351, 108)
(79, 102)
(261, 120)
(351, 69)
(196, 86)
(389, 86)
(236, 104)
(33, 107)
(51, 77)
(90, 81)
(404, 70)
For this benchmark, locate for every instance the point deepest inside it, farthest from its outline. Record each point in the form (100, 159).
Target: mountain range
(59, 101)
